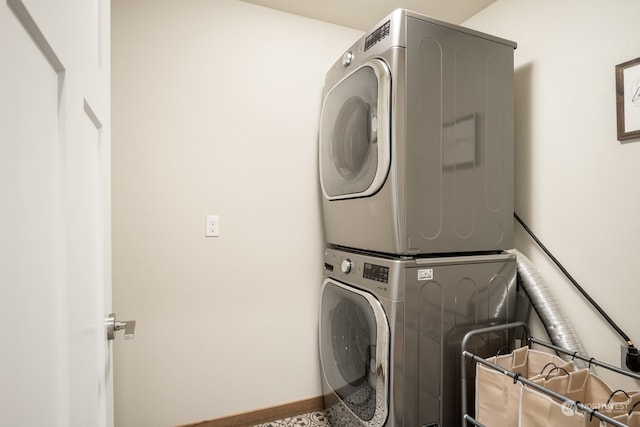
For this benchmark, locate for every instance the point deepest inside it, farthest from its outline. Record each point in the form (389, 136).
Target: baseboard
(261, 416)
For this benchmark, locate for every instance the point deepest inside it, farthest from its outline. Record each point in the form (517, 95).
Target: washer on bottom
(390, 333)
(355, 337)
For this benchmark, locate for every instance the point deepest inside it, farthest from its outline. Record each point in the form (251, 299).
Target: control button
(347, 58)
(345, 266)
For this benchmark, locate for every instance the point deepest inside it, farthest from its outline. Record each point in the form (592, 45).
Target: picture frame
(628, 99)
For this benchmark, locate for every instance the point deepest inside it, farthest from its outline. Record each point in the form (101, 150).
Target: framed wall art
(628, 99)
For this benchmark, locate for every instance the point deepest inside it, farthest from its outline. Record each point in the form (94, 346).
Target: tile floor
(312, 419)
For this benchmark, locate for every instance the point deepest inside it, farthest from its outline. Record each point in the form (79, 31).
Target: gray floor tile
(312, 419)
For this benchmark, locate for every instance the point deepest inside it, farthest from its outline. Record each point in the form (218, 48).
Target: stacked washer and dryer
(417, 175)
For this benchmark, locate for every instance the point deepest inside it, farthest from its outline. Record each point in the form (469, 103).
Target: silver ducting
(557, 325)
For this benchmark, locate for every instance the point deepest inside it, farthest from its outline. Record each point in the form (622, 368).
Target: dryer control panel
(377, 35)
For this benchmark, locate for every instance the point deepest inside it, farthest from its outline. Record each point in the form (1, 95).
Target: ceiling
(364, 14)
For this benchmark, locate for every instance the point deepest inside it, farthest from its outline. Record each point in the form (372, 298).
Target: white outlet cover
(212, 226)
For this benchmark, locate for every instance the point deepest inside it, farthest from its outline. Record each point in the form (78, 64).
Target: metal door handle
(113, 325)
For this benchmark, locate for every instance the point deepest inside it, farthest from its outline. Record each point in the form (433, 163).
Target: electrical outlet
(212, 226)
(629, 362)
(623, 357)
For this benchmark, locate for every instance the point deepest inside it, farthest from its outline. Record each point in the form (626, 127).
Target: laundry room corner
(215, 112)
(575, 182)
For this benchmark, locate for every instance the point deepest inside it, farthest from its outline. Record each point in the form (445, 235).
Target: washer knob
(345, 266)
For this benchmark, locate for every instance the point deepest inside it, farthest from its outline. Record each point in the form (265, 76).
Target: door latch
(113, 325)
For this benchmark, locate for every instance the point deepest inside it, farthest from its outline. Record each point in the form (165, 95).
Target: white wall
(215, 111)
(576, 185)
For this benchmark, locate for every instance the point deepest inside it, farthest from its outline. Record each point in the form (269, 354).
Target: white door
(55, 280)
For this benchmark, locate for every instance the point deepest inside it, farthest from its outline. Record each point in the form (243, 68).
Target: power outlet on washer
(212, 226)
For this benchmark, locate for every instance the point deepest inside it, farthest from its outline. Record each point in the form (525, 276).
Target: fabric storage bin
(538, 409)
(632, 418)
(497, 397)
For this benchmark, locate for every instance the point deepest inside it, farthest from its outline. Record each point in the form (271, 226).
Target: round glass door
(354, 340)
(354, 133)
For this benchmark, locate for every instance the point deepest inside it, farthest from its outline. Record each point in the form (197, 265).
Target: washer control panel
(376, 272)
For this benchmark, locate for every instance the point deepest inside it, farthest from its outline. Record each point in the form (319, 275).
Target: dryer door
(354, 350)
(355, 133)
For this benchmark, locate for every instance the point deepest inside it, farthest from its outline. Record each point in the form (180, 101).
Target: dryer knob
(347, 58)
(345, 266)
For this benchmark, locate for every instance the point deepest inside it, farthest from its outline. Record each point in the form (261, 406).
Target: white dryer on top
(417, 140)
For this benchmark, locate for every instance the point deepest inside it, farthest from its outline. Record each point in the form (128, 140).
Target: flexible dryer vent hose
(557, 325)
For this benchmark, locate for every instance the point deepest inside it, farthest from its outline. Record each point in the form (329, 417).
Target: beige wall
(576, 185)
(215, 111)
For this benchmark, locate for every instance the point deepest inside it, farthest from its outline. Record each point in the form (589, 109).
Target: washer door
(354, 350)
(355, 133)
